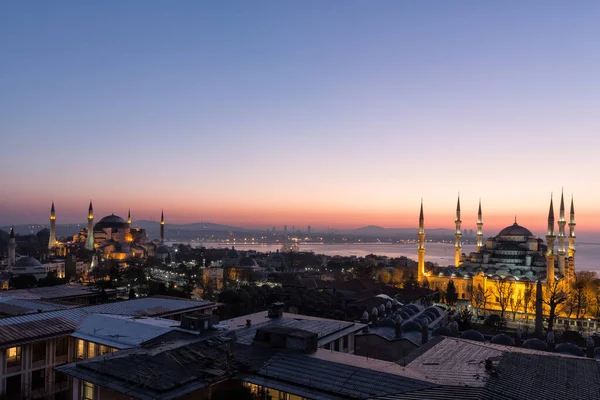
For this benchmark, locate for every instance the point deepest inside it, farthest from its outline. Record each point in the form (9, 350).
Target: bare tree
(479, 298)
(528, 299)
(515, 304)
(554, 295)
(503, 290)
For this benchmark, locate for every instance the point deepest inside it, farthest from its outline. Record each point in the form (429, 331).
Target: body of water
(587, 256)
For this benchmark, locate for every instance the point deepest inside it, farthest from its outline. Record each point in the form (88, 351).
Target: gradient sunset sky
(329, 113)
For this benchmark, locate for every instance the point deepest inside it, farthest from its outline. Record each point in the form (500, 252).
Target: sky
(264, 113)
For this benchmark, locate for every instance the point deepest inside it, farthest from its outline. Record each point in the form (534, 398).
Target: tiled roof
(163, 373)
(340, 379)
(460, 362)
(545, 377)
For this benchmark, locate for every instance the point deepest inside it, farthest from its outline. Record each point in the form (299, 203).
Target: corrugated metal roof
(117, 332)
(27, 327)
(147, 306)
(50, 292)
(15, 306)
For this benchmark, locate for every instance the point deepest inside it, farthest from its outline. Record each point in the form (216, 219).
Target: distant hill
(374, 230)
(195, 226)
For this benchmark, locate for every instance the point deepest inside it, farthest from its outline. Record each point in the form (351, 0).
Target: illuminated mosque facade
(515, 254)
(112, 237)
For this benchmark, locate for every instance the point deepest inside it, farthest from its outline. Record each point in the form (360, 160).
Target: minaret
(12, 248)
(562, 250)
(89, 243)
(129, 218)
(571, 250)
(479, 228)
(162, 226)
(421, 248)
(550, 238)
(52, 240)
(457, 235)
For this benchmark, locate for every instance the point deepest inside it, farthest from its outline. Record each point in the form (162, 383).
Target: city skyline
(406, 220)
(269, 114)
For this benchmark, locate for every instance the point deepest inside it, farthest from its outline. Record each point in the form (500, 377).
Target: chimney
(198, 322)
(275, 310)
(398, 328)
(589, 342)
(248, 322)
(550, 340)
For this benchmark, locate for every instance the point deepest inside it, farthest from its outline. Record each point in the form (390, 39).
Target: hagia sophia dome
(111, 222)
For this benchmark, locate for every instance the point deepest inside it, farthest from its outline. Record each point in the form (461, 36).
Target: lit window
(87, 391)
(13, 357)
(91, 349)
(81, 349)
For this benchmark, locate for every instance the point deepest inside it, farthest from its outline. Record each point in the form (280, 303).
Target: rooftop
(50, 292)
(32, 327)
(326, 329)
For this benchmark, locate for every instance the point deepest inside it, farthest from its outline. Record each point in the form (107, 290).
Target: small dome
(403, 314)
(434, 310)
(387, 322)
(408, 310)
(365, 316)
(388, 305)
(247, 262)
(442, 331)
(410, 326)
(423, 320)
(535, 344)
(569, 348)
(381, 309)
(503, 339)
(162, 249)
(27, 262)
(413, 307)
(472, 335)
(374, 311)
(515, 230)
(430, 314)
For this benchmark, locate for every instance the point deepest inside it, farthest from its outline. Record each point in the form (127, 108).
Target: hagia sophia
(112, 237)
(515, 254)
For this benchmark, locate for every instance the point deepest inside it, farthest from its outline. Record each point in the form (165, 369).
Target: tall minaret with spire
(479, 228)
(562, 250)
(89, 243)
(550, 238)
(571, 250)
(572, 231)
(457, 235)
(52, 240)
(12, 248)
(421, 248)
(129, 218)
(162, 226)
